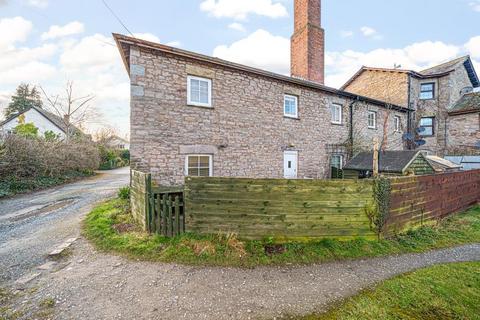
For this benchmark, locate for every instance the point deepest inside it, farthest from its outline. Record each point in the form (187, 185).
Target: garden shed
(392, 163)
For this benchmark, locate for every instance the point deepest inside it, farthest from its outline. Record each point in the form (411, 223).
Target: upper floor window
(372, 120)
(336, 113)
(199, 91)
(397, 123)
(290, 106)
(427, 91)
(198, 165)
(427, 126)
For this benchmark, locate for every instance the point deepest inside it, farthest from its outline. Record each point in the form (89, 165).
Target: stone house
(431, 93)
(196, 115)
(464, 125)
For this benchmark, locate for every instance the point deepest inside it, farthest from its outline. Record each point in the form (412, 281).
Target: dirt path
(98, 286)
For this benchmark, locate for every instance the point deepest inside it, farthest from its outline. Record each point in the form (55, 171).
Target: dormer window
(427, 91)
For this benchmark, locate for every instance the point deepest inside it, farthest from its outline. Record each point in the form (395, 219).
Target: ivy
(379, 211)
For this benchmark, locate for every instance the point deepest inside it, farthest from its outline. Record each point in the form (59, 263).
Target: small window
(290, 106)
(336, 161)
(372, 120)
(397, 124)
(427, 91)
(198, 165)
(199, 91)
(336, 112)
(427, 126)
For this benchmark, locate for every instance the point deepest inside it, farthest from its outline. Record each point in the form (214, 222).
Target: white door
(290, 164)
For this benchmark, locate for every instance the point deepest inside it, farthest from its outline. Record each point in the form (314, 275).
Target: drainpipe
(350, 134)
(409, 115)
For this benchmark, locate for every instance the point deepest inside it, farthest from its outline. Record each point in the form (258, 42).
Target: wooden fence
(282, 209)
(166, 214)
(420, 200)
(139, 189)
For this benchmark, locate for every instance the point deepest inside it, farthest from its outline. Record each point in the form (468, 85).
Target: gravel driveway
(32, 225)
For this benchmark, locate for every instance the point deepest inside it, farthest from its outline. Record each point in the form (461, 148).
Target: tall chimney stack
(308, 42)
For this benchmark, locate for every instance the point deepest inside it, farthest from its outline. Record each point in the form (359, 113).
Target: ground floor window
(199, 165)
(336, 166)
(427, 128)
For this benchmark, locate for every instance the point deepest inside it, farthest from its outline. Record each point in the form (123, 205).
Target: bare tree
(75, 112)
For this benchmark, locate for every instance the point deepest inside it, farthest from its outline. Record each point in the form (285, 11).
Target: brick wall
(463, 133)
(420, 200)
(245, 131)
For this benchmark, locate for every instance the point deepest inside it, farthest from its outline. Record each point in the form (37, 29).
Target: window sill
(429, 99)
(372, 128)
(199, 106)
(336, 123)
(291, 117)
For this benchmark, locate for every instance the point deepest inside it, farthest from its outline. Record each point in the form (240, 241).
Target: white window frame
(341, 160)
(340, 113)
(397, 122)
(374, 113)
(210, 163)
(288, 115)
(189, 88)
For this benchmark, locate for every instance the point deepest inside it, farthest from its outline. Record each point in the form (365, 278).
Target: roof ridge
(446, 62)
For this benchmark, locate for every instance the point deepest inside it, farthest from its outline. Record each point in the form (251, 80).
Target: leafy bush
(27, 130)
(124, 193)
(113, 158)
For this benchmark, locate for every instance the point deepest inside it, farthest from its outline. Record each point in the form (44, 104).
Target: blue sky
(50, 41)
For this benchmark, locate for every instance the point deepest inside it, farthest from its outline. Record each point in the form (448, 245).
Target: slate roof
(389, 161)
(469, 103)
(53, 118)
(433, 72)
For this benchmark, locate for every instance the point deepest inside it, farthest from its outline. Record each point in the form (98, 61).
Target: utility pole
(375, 157)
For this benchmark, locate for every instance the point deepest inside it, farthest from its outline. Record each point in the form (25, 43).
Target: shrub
(124, 193)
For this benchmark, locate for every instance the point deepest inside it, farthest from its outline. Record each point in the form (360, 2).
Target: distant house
(42, 119)
(116, 142)
(391, 163)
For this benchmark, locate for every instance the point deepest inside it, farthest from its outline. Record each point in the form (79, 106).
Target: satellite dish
(420, 143)
(407, 137)
(420, 129)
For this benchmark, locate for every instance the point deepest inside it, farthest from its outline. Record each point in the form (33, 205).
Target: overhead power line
(117, 17)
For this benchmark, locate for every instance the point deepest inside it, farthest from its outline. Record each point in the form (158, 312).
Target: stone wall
(463, 133)
(386, 86)
(245, 131)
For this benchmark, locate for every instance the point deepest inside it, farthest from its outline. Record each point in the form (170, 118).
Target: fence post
(170, 220)
(148, 182)
(158, 216)
(177, 216)
(164, 215)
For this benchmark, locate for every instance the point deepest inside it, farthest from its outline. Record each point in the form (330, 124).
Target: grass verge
(13, 185)
(110, 227)
(450, 291)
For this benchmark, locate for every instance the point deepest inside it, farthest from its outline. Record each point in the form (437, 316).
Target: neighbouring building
(44, 120)
(390, 163)
(438, 97)
(116, 142)
(196, 115)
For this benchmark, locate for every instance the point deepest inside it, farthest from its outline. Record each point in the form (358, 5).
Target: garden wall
(419, 200)
(282, 209)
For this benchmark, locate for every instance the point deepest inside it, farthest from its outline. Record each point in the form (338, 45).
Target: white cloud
(69, 29)
(240, 10)
(14, 30)
(346, 33)
(473, 47)
(260, 49)
(38, 3)
(147, 36)
(475, 5)
(266, 51)
(370, 32)
(237, 26)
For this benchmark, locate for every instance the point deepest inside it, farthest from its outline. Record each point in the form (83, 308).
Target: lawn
(450, 291)
(110, 227)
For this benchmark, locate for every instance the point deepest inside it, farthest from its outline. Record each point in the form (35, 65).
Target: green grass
(102, 223)
(449, 291)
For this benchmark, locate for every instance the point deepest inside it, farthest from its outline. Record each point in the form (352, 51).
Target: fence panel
(420, 200)
(283, 209)
(167, 213)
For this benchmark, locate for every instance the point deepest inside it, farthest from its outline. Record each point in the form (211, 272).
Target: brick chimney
(308, 42)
